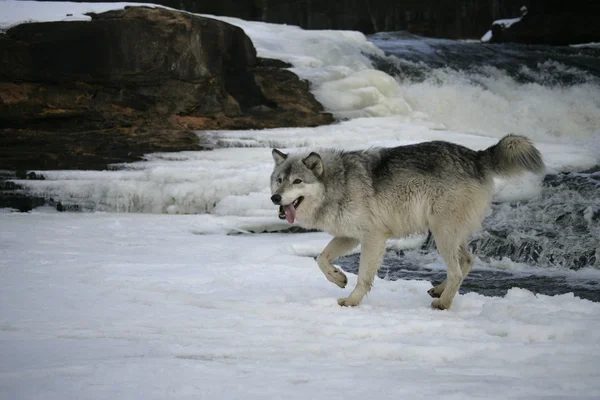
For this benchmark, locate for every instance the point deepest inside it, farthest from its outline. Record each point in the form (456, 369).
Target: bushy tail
(511, 156)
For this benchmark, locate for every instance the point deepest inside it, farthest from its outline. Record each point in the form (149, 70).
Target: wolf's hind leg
(449, 248)
(466, 263)
(371, 255)
(338, 247)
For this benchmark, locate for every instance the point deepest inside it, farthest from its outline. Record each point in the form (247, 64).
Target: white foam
(494, 104)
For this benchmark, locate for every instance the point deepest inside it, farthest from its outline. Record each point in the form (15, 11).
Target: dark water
(489, 282)
(416, 56)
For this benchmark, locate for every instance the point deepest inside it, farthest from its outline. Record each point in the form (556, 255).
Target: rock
(83, 94)
(554, 28)
(12, 195)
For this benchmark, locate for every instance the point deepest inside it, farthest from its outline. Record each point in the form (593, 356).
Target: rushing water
(416, 57)
(493, 89)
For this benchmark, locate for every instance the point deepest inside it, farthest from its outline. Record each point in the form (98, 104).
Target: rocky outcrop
(82, 94)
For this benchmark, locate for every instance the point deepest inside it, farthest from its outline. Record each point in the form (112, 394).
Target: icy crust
(235, 180)
(337, 63)
(141, 306)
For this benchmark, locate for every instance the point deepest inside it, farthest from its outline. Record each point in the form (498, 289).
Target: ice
(160, 306)
(487, 37)
(235, 180)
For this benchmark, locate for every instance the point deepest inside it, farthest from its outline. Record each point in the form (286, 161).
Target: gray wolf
(371, 195)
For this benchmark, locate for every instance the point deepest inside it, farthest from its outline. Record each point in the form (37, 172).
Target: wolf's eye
(279, 180)
(297, 181)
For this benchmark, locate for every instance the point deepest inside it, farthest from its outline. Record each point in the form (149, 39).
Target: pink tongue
(290, 213)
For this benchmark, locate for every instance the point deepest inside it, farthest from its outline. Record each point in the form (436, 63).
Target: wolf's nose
(276, 198)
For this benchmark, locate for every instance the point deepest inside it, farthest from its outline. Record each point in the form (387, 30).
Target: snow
(487, 37)
(159, 306)
(15, 12)
(506, 23)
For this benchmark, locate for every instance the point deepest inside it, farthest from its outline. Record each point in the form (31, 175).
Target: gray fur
(369, 196)
(512, 155)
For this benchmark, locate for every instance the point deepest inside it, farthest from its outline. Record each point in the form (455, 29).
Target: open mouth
(289, 212)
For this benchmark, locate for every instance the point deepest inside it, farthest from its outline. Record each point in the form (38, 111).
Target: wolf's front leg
(371, 255)
(338, 247)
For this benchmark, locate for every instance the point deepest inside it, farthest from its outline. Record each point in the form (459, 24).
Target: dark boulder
(82, 94)
(559, 28)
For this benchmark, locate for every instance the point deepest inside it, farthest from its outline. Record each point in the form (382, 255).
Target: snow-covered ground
(132, 306)
(144, 306)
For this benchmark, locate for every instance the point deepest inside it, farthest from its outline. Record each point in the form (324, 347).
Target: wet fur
(369, 196)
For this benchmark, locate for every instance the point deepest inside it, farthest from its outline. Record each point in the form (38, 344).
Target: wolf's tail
(511, 156)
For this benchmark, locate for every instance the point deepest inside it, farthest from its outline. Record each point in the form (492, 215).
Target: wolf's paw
(348, 302)
(433, 293)
(336, 276)
(437, 303)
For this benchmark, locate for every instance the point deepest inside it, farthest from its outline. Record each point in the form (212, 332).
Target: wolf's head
(296, 184)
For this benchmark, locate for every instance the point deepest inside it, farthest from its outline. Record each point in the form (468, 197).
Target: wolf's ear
(315, 164)
(278, 156)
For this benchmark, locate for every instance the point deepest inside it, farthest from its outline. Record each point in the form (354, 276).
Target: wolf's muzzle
(276, 199)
